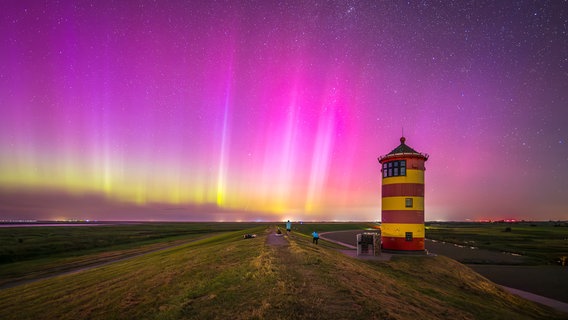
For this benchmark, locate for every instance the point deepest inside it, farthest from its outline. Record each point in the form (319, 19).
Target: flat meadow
(542, 242)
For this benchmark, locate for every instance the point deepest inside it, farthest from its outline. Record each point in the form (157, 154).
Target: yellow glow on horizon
(135, 184)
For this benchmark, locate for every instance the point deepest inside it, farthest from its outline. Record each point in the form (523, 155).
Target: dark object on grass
(249, 236)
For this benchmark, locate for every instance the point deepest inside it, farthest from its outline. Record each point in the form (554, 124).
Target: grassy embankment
(225, 276)
(32, 252)
(544, 242)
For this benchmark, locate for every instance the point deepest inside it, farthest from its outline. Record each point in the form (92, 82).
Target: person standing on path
(288, 226)
(316, 237)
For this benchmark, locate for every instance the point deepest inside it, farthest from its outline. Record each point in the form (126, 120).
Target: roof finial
(402, 138)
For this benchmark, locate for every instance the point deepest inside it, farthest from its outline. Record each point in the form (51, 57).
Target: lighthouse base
(402, 244)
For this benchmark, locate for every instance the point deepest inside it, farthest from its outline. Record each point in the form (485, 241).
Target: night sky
(273, 110)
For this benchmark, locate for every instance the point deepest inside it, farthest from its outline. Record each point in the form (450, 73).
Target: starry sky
(273, 110)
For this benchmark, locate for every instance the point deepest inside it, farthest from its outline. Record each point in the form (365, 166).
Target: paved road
(348, 237)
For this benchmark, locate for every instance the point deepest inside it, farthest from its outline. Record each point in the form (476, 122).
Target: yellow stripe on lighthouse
(399, 230)
(412, 176)
(399, 203)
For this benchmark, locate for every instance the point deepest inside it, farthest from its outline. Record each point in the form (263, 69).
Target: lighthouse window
(408, 202)
(394, 168)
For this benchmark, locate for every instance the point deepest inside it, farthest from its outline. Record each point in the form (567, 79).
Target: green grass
(43, 251)
(18, 244)
(544, 242)
(227, 277)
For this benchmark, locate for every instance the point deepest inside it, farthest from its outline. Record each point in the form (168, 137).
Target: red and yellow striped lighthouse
(402, 227)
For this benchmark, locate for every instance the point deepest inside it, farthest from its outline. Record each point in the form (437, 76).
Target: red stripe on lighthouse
(395, 243)
(403, 189)
(402, 216)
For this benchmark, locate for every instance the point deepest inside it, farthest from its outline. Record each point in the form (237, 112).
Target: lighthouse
(402, 209)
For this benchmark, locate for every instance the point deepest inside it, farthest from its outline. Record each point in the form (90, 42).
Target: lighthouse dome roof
(405, 150)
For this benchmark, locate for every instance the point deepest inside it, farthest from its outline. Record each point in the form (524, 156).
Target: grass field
(24, 243)
(543, 242)
(32, 252)
(227, 277)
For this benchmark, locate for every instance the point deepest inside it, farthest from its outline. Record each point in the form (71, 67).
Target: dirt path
(305, 283)
(275, 239)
